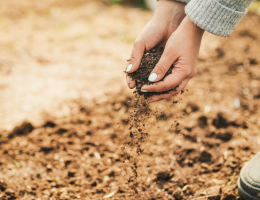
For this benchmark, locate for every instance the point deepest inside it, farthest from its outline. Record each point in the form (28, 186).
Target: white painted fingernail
(152, 77)
(128, 69)
(144, 91)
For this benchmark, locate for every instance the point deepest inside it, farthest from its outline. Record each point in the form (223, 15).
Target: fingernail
(144, 91)
(128, 69)
(152, 77)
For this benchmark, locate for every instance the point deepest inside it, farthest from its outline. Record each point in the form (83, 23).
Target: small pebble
(237, 103)
(207, 109)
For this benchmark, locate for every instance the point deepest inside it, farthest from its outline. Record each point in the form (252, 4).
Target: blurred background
(55, 51)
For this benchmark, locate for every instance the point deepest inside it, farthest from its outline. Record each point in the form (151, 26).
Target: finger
(168, 57)
(136, 56)
(160, 97)
(169, 82)
(130, 82)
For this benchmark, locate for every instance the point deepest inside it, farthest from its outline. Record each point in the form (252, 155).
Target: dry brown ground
(57, 57)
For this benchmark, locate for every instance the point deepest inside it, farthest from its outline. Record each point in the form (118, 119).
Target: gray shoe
(249, 180)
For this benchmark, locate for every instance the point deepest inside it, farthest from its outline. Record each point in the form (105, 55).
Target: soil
(196, 145)
(87, 158)
(148, 62)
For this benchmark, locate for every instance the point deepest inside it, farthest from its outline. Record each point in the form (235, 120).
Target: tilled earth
(83, 159)
(197, 142)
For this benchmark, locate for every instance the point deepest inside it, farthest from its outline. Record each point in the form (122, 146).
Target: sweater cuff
(184, 1)
(213, 17)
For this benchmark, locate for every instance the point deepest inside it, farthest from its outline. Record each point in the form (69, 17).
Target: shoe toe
(249, 181)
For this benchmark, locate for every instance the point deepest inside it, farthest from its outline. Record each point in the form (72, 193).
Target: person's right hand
(167, 17)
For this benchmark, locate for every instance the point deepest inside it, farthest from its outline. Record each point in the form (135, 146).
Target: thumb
(136, 56)
(167, 59)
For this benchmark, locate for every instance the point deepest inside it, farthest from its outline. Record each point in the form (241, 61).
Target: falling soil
(148, 62)
(137, 136)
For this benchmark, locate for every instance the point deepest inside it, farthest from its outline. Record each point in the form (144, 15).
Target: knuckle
(179, 90)
(194, 72)
(163, 88)
(175, 91)
(168, 97)
(133, 58)
(188, 71)
(167, 88)
(138, 43)
(172, 92)
(155, 88)
(160, 69)
(152, 90)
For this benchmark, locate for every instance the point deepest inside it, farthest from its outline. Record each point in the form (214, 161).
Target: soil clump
(148, 62)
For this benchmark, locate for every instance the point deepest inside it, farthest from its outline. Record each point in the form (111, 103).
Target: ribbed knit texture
(219, 17)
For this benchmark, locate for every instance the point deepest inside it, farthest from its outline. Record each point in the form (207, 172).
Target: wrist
(192, 28)
(170, 12)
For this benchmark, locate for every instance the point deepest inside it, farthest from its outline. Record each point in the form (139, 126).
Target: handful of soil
(148, 62)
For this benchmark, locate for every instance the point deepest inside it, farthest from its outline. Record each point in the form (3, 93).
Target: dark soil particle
(141, 75)
(49, 124)
(24, 129)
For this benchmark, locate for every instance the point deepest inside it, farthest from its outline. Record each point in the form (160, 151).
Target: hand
(181, 50)
(167, 17)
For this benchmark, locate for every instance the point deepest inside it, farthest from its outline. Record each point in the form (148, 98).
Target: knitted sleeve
(218, 17)
(184, 1)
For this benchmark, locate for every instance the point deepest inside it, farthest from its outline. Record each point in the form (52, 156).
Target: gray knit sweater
(219, 17)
